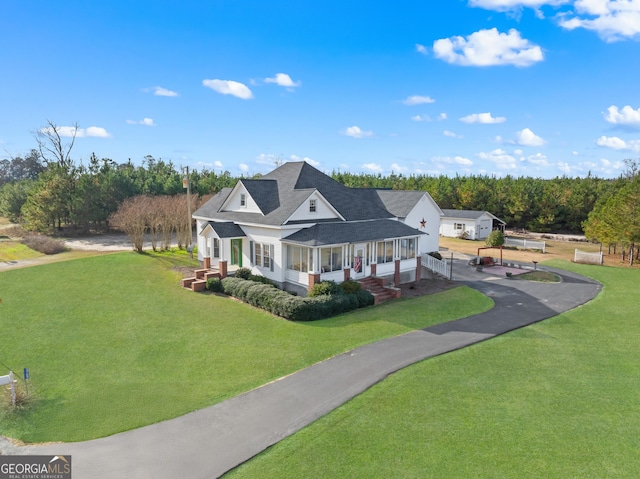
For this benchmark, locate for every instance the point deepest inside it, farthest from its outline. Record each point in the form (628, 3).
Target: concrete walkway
(210, 442)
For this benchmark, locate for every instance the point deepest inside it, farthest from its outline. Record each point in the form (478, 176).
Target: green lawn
(113, 343)
(559, 399)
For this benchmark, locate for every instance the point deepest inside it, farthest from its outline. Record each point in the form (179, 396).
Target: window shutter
(271, 250)
(251, 257)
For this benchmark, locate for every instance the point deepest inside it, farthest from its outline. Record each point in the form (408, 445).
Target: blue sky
(538, 88)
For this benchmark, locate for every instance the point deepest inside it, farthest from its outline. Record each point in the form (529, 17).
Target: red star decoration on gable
(423, 223)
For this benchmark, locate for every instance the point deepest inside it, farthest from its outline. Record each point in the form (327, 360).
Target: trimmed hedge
(215, 285)
(294, 308)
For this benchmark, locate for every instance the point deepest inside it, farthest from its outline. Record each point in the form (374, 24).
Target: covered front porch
(383, 249)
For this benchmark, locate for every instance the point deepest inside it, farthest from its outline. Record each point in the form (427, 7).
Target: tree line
(46, 189)
(45, 194)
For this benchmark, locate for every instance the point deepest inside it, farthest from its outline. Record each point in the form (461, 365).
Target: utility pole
(187, 184)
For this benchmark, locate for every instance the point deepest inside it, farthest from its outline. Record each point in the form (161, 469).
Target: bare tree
(51, 146)
(132, 217)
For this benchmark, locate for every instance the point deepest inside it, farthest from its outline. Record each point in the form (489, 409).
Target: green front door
(236, 252)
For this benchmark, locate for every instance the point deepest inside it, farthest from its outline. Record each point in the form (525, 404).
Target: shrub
(436, 255)
(243, 273)
(365, 298)
(43, 244)
(350, 286)
(325, 288)
(215, 285)
(495, 238)
(15, 231)
(295, 308)
(257, 278)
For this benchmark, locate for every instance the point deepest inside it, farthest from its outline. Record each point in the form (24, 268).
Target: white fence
(587, 258)
(525, 243)
(436, 265)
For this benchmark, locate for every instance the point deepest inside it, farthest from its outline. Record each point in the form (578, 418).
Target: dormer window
(312, 206)
(243, 200)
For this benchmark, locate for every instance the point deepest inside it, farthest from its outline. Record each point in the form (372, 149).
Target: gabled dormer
(314, 208)
(252, 196)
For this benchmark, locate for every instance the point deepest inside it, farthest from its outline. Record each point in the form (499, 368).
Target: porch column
(418, 268)
(374, 268)
(314, 278)
(347, 274)
(206, 262)
(222, 266)
(396, 275)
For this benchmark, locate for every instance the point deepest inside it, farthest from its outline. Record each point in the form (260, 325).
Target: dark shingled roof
(398, 202)
(282, 191)
(226, 229)
(355, 232)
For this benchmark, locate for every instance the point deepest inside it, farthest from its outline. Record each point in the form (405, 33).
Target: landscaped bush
(257, 278)
(365, 298)
(350, 286)
(215, 285)
(243, 273)
(325, 288)
(43, 244)
(495, 238)
(295, 308)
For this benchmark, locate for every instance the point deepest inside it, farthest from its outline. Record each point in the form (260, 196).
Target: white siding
(233, 203)
(323, 210)
(447, 227)
(426, 209)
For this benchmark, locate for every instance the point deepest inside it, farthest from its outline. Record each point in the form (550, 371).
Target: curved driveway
(210, 442)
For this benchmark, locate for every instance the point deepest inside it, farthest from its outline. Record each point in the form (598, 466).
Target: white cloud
(421, 118)
(453, 160)
(484, 118)
(306, 158)
(564, 167)
(68, 131)
(373, 167)
(575, 153)
(398, 168)
(418, 100)
(243, 167)
(159, 91)
(451, 134)
(517, 152)
(488, 48)
(539, 159)
(144, 121)
(218, 164)
(442, 116)
(229, 87)
(527, 137)
(421, 49)
(500, 158)
(282, 79)
(356, 132)
(616, 143)
(613, 20)
(626, 116)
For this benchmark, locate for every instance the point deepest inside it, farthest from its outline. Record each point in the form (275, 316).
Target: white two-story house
(297, 226)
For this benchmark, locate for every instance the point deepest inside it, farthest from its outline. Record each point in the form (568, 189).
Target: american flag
(358, 264)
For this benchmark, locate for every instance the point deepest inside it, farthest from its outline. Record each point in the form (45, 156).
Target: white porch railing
(436, 265)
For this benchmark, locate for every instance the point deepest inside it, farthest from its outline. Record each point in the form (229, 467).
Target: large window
(459, 226)
(331, 259)
(385, 251)
(407, 248)
(216, 248)
(299, 258)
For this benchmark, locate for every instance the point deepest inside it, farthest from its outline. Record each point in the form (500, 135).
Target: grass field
(113, 343)
(558, 399)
